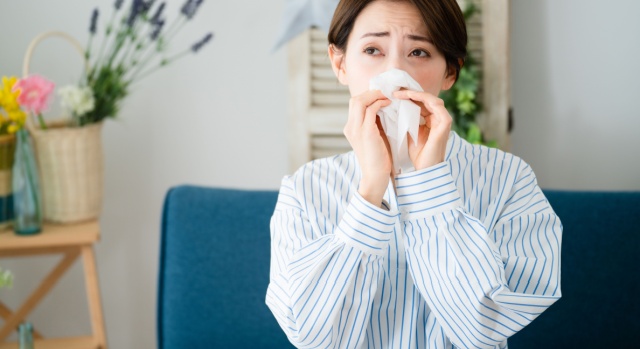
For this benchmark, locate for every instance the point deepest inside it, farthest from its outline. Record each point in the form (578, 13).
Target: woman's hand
(369, 143)
(433, 136)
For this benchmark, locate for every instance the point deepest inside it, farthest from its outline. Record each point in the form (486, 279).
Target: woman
(463, 251)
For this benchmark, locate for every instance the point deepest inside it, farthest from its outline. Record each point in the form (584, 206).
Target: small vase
(26, 189)
(25, 334)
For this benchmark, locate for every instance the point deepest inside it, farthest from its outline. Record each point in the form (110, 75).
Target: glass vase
(26, 189)
(25, 335)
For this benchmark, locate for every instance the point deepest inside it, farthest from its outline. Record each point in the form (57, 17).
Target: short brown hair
(443, 18)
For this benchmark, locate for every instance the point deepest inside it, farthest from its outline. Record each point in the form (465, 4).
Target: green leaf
(6, 278)
(474, 135)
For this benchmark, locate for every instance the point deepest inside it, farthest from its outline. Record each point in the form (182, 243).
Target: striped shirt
(462, 254)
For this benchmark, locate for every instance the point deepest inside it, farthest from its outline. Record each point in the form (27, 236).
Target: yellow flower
(8, 98)
(17, 116)
(11, 115)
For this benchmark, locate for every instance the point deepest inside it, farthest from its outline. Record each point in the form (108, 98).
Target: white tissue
(400, 117)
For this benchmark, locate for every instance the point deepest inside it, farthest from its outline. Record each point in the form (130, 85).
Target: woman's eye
(420, 53)
(371, 51)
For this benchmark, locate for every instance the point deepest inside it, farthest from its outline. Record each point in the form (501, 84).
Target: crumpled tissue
(400, 117)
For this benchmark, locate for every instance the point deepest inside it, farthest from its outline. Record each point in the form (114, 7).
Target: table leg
(38, 294)
(6, 313)
(93, 295)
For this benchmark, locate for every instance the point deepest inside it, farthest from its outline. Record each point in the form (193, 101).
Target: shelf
(52, 236)
(58, 343)
(73, 241)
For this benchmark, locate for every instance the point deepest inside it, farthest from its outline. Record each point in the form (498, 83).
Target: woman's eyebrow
(409, 36)
(377, 35)
(419, 38)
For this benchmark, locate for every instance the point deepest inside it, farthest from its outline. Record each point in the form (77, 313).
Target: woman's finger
(372, 111)
(359, 104)
(433, 103)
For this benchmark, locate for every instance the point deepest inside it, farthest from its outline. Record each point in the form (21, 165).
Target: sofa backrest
(600, 302)
(214, 270)
(215, 255)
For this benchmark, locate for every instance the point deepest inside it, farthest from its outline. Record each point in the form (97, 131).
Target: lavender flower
(198, 45)
(136, 8)
(146, 6)
(157, 29)
(156, 17)
(118, 4)
(94, 21)
(190, 8)
(186, 7)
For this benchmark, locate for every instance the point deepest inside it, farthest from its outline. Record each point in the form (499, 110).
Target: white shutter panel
(319, 103)
(496, 98)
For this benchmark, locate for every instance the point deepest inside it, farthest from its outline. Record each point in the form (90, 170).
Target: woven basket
(70, 161)
(7, 151)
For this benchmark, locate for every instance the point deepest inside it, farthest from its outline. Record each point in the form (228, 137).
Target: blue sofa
(214, 272)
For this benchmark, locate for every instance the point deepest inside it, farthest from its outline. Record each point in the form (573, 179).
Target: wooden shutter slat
(330, 142)
(330, 99)
(326, 85)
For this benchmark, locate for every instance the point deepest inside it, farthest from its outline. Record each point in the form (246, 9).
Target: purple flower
(190, 8)
(94, 21)
(156, 17)
(198, 45)
(146, 6)
(136, 8)
(186, 7)
(157, 29)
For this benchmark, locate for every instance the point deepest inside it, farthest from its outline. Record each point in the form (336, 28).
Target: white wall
(575, 92)
(219, 119)
(216, 119)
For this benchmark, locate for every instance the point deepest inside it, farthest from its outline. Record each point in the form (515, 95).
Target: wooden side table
(72, 241)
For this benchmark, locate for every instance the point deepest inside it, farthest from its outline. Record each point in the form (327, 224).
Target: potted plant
(134, 45)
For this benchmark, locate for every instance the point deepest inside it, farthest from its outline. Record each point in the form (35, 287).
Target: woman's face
(389, 35)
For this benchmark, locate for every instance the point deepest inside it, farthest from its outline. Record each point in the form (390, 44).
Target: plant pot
(7, 151)
(70, 161)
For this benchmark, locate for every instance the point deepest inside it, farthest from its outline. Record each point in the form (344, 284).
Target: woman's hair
(443, 18)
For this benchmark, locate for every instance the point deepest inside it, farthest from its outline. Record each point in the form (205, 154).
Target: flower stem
(108, 32)
(136, 46)
(176, 26)
(163, 63)
(170, 34)
(87, 53)
(175, 23)
(41, 121)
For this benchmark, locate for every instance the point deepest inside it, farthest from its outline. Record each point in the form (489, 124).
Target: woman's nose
(395, 61)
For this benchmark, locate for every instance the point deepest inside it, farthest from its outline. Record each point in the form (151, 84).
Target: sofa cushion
(214, 270)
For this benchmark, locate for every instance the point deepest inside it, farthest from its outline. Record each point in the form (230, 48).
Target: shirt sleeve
(322, 284)
(484, 276)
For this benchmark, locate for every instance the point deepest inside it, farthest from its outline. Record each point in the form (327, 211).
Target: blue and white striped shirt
(464, 253)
